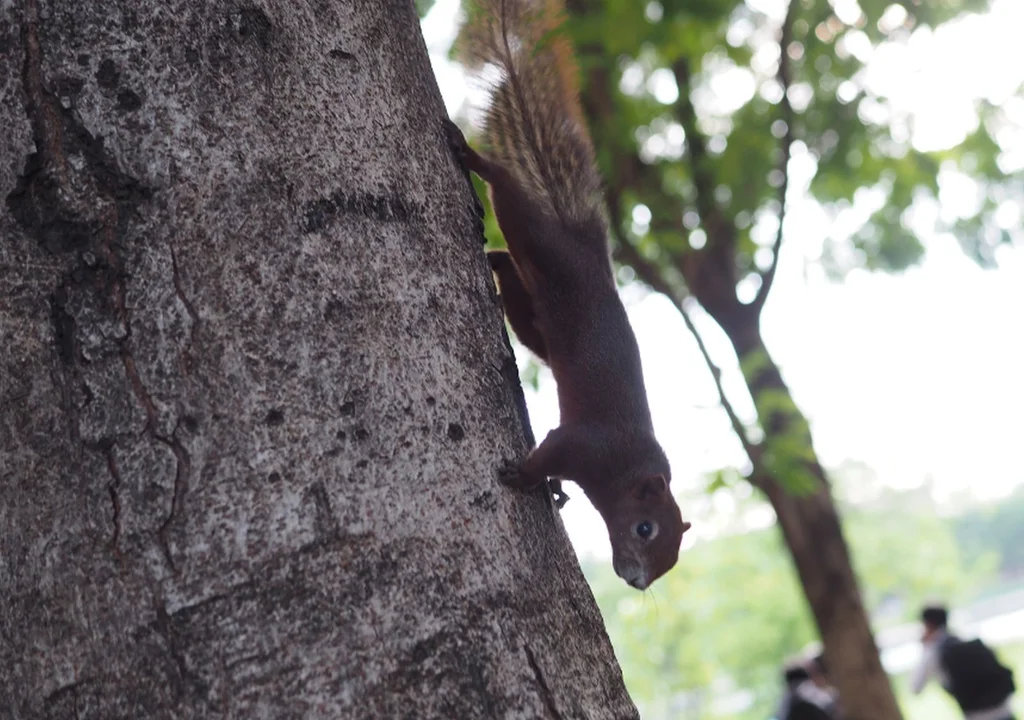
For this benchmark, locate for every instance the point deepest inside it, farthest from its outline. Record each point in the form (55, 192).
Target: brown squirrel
(558, 287)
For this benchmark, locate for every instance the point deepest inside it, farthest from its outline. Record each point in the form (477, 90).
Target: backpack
(796, 706)
(977, 680)
(806, 710)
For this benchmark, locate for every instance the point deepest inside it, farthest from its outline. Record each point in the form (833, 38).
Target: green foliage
(626, 48)
(423, 6)
(910, 556)
(999, 529)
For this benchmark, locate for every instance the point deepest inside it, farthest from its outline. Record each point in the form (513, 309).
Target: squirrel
(557, 284)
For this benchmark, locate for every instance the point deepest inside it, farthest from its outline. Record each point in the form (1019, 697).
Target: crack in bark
(46, 125)
(70, 689)
(112, 488)
(189, 307)
(545, 692)
(183, 462)
(68, 208)
(164, 626)
(139, 389)
(181, 473)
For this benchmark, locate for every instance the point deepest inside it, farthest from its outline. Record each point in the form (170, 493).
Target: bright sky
(919, 375)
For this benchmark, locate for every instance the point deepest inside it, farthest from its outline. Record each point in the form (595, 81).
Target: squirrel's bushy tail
(534, 126)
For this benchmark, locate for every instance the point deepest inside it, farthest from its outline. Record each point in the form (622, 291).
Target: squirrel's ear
(651, 488)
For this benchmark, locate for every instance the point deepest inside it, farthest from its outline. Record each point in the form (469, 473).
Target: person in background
(827, 693)
(801, 698)
(967, 670)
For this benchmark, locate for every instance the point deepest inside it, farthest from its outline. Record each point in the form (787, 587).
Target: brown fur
(558, 287)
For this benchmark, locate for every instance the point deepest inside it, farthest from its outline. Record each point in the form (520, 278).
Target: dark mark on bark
(333, 310)
(69, 86)
(251, 21)
(63, 327)
(274, 418)
(455, 432)
(254, 659)
(485, 501)
(361, 433)
(107, 76)
(545, 692)
(348, 408)
(323, 213)
(339, 54)
(325, 524)
(128, 101)
(429, 646)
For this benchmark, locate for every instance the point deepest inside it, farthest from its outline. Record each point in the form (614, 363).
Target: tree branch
(786, 146)
(710, 271)
(752, 450)
(696, 145)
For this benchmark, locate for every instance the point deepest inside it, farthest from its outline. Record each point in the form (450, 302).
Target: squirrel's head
(646, 529)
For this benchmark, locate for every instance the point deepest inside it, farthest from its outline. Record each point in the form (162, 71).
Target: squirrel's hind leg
(518, 304)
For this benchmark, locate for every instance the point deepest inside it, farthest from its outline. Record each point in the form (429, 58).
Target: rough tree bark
(255, 385)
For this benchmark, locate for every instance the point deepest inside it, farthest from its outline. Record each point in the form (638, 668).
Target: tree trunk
(814, 536)
(254, 384)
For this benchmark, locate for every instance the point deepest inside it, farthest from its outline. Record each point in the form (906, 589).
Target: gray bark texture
(255, 386)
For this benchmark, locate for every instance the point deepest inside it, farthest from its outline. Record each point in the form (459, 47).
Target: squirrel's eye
(644, 530)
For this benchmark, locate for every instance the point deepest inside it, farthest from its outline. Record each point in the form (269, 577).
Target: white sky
(919, 375)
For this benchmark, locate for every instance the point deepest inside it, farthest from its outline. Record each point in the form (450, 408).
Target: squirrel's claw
(463, 156)
(559, 495)
(511, 475)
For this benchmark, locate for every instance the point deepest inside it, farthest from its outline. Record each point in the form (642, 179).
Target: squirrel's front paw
(511, 475)
(508, 473)
(456, 140)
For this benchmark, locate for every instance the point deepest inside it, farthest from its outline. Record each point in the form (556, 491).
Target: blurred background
(889, 139)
